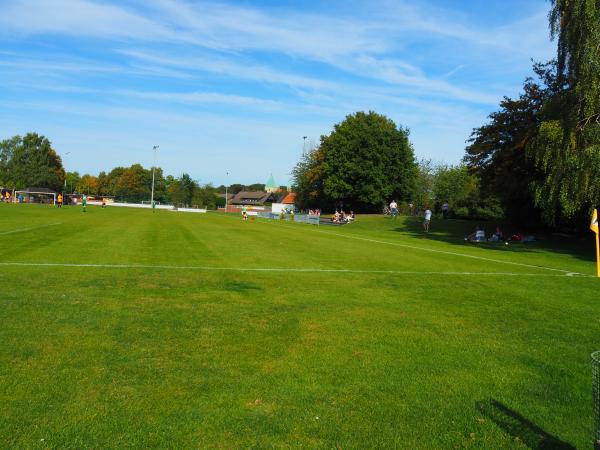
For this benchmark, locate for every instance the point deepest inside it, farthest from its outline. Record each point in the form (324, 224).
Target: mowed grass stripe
(23, 230)
(114, 236)
(349, 235)
(156, 357)
(106, 359)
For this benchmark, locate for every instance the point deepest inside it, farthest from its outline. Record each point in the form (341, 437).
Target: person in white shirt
(394, 208)
(427, 222)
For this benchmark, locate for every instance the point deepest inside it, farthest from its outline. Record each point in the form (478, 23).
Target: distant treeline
(30, 161)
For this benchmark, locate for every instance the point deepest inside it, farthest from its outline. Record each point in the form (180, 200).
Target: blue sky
(234, 86)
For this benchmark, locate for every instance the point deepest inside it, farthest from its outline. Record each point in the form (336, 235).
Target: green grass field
(126, 329)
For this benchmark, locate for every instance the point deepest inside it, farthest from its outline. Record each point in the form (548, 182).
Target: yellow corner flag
(594, 228)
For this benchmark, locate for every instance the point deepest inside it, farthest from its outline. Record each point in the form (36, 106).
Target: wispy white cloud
(152, 98)
(59, 64)
(427, 67)
(418, 21)
(230, 68)
(395, 73)
(291, 32)
(80, 18)
(228, 27)
(203, 98)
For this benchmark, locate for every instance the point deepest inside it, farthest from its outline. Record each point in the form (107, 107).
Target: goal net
(47, 198)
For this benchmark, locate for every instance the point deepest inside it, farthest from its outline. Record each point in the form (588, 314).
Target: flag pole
(594, 228)
(597, 257)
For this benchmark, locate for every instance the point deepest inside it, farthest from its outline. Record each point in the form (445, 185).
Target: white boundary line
(286, 269)
(444, 252)
(21, 230)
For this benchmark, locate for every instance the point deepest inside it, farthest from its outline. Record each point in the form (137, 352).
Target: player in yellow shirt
(59, 201)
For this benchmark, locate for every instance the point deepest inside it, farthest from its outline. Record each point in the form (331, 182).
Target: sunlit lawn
(151, 330)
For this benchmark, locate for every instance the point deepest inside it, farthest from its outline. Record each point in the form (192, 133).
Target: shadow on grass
(519, 427)
(240, 286)
(453, 231)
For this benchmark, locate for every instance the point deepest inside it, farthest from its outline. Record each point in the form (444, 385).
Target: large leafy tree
(235, 188)
(88, 184)
(458, 186)
(204, 197)
(308, 179)
(134, 184)
(423, 196)
(71, 181)
(181, 190)
(366, 161)
(30, 161)
(567, 146)
(497, 151)
(256, 187)
(454, 185)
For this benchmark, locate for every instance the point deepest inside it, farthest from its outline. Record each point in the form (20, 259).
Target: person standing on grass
(427, 223)
(394, 208)
(244, 213)
(445, 209)
(84, 201)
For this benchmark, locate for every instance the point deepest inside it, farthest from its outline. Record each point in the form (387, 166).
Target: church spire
(270, 185)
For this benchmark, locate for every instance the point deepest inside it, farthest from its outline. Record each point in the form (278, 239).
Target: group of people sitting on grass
(498, 236)
(314, 212)
(342, 217)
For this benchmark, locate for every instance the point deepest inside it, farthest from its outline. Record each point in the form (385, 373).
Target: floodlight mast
(155, 148)
(226, 183)
(65, 188)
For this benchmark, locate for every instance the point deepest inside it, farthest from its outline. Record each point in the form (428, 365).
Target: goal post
(36, 197)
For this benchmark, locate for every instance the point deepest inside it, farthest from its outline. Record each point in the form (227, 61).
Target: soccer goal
(47, 198)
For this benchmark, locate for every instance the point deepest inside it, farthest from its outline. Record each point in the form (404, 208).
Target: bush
(461, 213)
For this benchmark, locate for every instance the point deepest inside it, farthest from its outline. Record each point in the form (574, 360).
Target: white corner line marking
(445, 252)
(432, 250)
(284, 269)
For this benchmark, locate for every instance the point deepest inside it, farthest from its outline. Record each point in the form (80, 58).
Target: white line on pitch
(445, 252)
(22, 230)
(283, 269)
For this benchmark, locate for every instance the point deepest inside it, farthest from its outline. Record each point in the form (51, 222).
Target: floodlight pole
(155, 148)
(304, 145)
(65, 188)
(226, 185)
